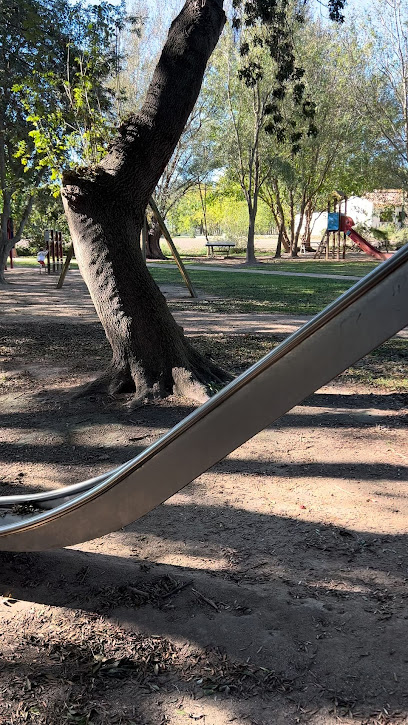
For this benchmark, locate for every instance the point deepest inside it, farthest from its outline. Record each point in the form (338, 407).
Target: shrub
(28, 251)
(400, 238)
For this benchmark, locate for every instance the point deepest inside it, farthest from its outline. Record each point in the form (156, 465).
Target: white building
(374, 210)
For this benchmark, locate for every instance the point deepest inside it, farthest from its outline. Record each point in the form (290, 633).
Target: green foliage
(344, 151)
(387, 214)
(268, 28)
(226, 211)
(400, 238)
(64, 103)
(57, 108)
(347, 153)
(48, 213)
(381, 234)
(30, 250)
(374, 234)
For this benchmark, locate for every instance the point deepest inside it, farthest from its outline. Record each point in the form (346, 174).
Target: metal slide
(368, 314)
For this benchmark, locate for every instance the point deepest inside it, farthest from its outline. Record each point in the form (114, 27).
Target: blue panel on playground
(333, 223)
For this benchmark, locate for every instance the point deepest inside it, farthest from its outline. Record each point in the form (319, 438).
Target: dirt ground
(272, 590)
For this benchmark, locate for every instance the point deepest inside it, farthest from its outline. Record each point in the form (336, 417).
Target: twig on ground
(177, 589)
(205, 599)
(139, 592)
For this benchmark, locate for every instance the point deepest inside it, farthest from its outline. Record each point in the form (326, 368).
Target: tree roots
(195, 384)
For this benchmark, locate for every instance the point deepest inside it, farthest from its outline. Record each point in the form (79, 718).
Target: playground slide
(346, 226)
(364, 317)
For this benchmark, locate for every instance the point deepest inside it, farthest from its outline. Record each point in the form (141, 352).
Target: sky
(170, 9)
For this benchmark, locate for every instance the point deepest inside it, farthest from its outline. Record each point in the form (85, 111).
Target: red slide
(346, 225)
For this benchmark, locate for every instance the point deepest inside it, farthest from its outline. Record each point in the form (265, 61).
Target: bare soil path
(273, 590)
(35, 298)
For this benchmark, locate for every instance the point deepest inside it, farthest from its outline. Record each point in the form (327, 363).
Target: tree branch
(138, 157)
(23, 221)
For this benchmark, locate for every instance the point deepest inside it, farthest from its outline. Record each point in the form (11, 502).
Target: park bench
(220, 245)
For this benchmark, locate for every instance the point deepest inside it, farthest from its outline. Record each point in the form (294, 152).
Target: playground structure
(339, 228)
(360, 320)
(54, 249)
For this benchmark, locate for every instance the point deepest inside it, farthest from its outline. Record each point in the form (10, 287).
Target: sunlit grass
(256, 293)
(32, 262)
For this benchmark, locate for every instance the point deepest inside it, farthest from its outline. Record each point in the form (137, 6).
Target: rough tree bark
(105, 208)
(307, 233)
(270, 194)
(278, 253)
(250, 250)
(153, 249)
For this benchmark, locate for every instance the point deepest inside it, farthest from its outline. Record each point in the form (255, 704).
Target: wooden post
(327, 232)
(52, 245)
(65, 268)
(344, 233)
(59, 251)
(47, 246)
(167, 236)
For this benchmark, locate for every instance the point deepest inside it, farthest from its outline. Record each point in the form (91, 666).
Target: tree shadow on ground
(70, 430)
(331, 623)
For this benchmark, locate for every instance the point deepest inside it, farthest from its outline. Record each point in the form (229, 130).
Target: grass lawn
(385, 368)
(32, 262)
(256, 293)
(253, 292)
(354, 269)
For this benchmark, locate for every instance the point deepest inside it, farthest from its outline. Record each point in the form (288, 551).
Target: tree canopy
(56, 59)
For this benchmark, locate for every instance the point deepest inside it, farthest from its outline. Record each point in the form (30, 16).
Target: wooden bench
(221, 245)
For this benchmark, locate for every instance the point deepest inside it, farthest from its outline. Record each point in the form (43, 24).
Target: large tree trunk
(250, 250)
(153, 250)
(307, 233)
(252, 212)
(105, 209)
(278, 253)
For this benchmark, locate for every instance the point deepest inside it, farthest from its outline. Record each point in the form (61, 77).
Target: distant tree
(189, 166)
(264, 93)
(55, 59)
(383, 58)
(47, 213)
(254, 101)
(344, 153)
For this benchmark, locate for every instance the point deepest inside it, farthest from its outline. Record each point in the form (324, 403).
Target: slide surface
(365, 316)
(346, 225)
(366, 246)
